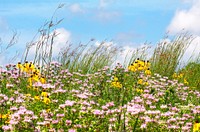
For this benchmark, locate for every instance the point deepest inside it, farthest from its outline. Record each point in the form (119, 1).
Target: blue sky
(127, 23)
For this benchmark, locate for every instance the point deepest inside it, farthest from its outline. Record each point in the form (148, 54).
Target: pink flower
(60, 115)
(71, 130)
(55, 121)
(6, 128)
(13, 122)
(62, 106)
(143, 126)
(68, 122)
(69, 103)
(97, 112)
(82, 96)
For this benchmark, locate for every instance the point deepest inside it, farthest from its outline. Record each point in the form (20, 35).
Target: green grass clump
(191, 72)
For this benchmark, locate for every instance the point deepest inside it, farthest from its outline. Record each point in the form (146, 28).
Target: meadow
(82, 90)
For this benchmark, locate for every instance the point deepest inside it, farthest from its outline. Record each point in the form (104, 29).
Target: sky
(126, 23)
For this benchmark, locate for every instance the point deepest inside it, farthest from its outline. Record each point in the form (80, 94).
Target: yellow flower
(7, 121)
(48, 110)
(175, 75)
(186, 82)
(116, 84)
(28, 95)
(31, 67)
(26, 67)
(37, 97)
(115, 79)
(139, 90)
(35, 78)
(180, 75)
(36, 71)
(132, 68)
(146, 83)
(196, 127)
(140, 68)
(147, 72)
(147, 64)
(35, 88)
(3, 116)
(20, 66)
(140, 81)
(46, 100)
(30, 81)
(44, 94)
(142, 63)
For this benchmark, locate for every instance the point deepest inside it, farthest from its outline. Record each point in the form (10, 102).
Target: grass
(82, 91)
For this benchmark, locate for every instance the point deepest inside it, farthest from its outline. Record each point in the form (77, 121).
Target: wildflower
(19, 66)
(28, 95)
(132, 68)
(8, 85)
(196, 127)
(42, 80)
(3, 116)
(148, 72)
(69, 103)
(48, 110)
(35, 77)
(35, 88)
(68, 122)
(44, 94)
(31, 67)
(36, 71)
(139, 90)
(175, 75)
(71, 130)
(143, 126)
(46, 100)
(186, 82)
(25, 67)
(147, 64)
(140, 81)
(37, 98)
(30, 81)
(116, 84)
(180, 76)
(115, 79)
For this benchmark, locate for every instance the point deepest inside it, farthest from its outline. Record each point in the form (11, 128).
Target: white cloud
(76, 8)
(187, 19)
(60, 41)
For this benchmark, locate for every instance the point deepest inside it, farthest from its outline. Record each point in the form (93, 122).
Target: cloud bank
(187, 20)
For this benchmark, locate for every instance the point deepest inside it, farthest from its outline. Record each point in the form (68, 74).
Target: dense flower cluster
(32, 71)
(72, 101)
(140, 65)
(116, 83)
(180, 77)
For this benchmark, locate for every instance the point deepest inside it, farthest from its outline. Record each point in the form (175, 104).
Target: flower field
(122, 99)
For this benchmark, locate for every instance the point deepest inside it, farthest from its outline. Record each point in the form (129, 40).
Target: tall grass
(88, 58)
(167, 55)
